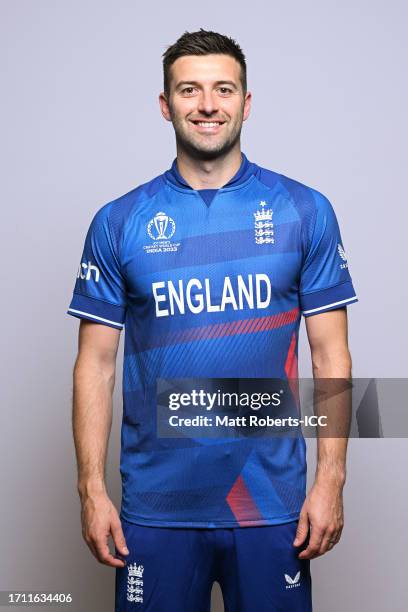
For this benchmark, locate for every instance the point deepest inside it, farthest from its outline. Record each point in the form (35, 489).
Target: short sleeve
(325, 282)
(99, 292)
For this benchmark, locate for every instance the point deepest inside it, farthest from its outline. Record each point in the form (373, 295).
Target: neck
(208, 174)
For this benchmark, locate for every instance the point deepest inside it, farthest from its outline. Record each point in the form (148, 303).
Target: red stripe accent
(291, 361)
(241, 503)
(291, 369)
(218, 330)
(239, 327)
(247, 324)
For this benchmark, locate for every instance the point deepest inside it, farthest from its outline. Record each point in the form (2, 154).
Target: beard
(203, 147)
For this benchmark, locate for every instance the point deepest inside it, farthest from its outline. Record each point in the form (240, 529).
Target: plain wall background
(81, 126)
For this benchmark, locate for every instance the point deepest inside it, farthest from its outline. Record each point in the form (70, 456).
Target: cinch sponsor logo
(195, 296)
(85, 271)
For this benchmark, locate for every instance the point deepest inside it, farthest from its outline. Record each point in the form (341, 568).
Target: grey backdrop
(81, 126)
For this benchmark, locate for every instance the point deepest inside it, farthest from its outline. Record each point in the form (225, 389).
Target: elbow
(332, 364)
(87, 368)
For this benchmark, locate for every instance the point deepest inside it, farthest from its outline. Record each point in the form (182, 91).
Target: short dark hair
(203, 42)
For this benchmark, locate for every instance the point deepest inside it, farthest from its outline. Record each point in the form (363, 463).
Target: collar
(245, 171)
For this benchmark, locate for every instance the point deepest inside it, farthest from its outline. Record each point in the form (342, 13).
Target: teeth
(208, 123)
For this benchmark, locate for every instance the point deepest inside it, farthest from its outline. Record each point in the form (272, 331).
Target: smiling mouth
(208, 124)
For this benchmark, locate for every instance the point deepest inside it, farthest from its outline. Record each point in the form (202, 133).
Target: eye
(225, 90)
(187, 91)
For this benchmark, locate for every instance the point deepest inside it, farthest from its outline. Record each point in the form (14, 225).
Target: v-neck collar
(245, 171)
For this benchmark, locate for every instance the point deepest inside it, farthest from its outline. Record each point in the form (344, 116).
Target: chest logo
(161, 227)
(263, 225)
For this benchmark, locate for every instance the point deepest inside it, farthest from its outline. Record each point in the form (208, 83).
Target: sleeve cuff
(98, 311)
(328, 299)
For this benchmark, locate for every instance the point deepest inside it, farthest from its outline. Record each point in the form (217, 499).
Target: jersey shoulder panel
(305, 199)
(117, 212)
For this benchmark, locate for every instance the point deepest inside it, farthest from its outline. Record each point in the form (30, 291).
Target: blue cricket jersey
(210, 284)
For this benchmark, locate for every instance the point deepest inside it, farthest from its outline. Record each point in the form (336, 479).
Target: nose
(207, 102)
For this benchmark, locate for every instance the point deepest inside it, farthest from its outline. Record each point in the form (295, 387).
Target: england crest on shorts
(134, 591)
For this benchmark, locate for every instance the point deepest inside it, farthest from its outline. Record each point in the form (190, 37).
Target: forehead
(206, 68)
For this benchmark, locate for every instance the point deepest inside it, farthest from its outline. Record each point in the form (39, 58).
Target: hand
(322, 512)
(100, 519)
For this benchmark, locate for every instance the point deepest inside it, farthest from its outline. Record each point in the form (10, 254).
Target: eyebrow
(222, 82)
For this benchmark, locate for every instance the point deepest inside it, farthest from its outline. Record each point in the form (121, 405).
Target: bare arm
(322, 512)
(94, 380)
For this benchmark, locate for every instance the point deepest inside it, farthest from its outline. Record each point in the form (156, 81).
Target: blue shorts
(173, 570)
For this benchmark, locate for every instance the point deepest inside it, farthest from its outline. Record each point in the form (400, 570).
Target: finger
(119, 538)
(105, 556)
(336, 536)
(328, 542)
(313, 547)
(91, 546)
(302, 529)
(311, 552)
(89, 542)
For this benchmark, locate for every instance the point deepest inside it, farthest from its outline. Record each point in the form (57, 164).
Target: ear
(164, 106)
(247, 105)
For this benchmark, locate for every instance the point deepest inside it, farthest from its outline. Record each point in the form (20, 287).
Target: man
(209, 267)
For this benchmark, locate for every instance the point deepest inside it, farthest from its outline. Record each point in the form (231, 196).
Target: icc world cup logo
(161, 227)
